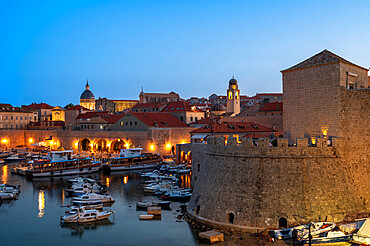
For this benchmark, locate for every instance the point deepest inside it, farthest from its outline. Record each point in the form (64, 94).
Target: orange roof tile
(161, 120)
(233, 127)
(38, 106)
(180, 106)
(78, 107)
(274, 106)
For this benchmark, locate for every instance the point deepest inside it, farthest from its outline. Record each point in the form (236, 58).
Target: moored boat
(83, 216)
(92, 198)
(329, 238)
(132, 159)
(362, 237)
(61, 164)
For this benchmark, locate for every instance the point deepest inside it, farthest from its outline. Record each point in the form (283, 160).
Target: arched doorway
(197, 210)
(117, 145)
(189, 157)
(283, 223)
(230, 218)
(100, 145)
(182, 157)
(85, 144)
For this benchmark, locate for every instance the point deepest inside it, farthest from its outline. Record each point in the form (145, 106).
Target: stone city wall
(161, 139)
(258, 185)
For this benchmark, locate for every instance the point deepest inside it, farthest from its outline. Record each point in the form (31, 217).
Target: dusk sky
(49, 48)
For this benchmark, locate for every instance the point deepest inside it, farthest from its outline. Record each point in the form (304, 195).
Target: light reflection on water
(41, 204)
(123, 226)
(4, 176)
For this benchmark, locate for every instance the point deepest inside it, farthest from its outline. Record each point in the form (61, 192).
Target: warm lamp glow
(51, 142)
(313, 140)
(76, 144)
(127, 145)
(125, 180)
(4, 140)
(324, 130)
(30, 140)
(168, 146)
(152, 147)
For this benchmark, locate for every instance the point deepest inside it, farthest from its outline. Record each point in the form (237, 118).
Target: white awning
(199, 136)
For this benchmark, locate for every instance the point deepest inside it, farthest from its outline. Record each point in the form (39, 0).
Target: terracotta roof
(89, 115)
(324, 57)
(180, 106)
(6, 105)
(232, 127)
(38, 106)
(78, 107)
(269, 94)
(274, 106)
(207, 121)
(161, 120)
(110, 118)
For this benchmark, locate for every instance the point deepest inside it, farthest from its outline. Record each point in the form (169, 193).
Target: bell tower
(233, 98)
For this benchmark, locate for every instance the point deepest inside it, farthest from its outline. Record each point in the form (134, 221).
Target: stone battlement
(248, 148)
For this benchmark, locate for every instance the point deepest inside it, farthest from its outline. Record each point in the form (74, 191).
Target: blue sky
(49, 48)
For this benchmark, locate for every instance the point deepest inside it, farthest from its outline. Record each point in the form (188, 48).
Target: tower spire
(87, 85)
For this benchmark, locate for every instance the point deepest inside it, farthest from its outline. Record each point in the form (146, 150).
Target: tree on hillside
(69, 105)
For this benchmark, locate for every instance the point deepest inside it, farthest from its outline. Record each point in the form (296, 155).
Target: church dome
(218, 107)
(233, 81)
(87, 94)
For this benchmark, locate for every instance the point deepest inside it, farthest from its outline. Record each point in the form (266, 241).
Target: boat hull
(139, 166)
(345, 240)
(76, 219)
(52, 173)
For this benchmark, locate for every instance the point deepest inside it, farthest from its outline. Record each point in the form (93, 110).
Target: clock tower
(233, 98)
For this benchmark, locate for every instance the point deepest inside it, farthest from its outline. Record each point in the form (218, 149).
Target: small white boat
(74, 209)
(92, 197)
(83, 216)
(316, 228)
(362, 237)
(7, 195)
(329, 238)
(2, 161)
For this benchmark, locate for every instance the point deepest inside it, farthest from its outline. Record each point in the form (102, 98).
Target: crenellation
(302, 142)
(232, 141)
(282, 142)
(263, 142)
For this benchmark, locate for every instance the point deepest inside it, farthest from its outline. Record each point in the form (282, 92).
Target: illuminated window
(230, 95)
(236, 95)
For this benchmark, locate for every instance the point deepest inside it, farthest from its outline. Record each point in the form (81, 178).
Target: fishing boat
(83, 216)
(303, 230)
(61, 164)
(74, 209)
(6, 188)
(177, 195)
(132, 159)
(92, 198)
(146, 204)
(329, 238)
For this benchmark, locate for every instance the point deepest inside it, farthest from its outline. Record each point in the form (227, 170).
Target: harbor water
(34, 218)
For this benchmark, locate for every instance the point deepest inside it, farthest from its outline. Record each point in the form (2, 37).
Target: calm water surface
(33, 219)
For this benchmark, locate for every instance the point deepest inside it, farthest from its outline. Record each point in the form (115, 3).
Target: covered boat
(132, 159)
(61, 164)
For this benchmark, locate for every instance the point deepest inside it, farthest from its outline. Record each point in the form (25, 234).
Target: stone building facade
(312, 94)
(245, 187)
